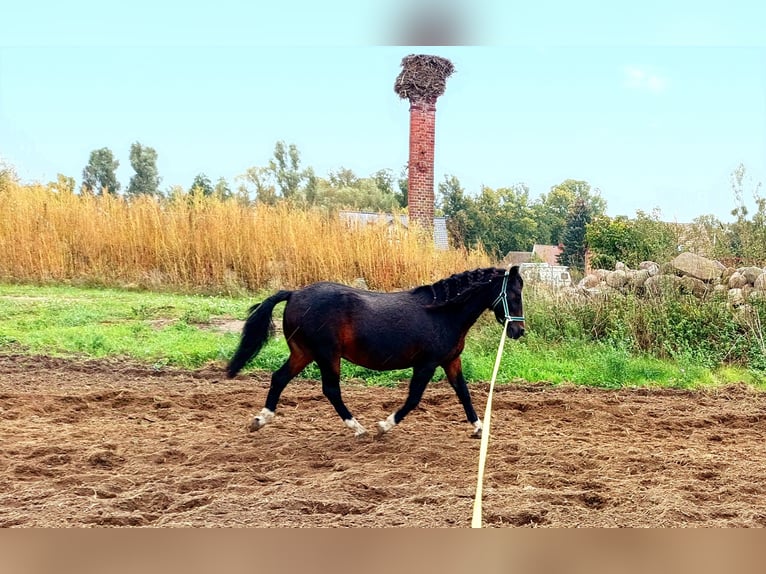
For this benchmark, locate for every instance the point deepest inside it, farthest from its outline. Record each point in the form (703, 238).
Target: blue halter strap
(503, 297)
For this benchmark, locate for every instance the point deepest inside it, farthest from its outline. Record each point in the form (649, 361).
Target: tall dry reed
(205, 244)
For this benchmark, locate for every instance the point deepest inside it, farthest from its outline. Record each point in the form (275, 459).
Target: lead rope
(476, 520)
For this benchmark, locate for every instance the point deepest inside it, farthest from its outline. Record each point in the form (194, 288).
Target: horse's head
(507, 302)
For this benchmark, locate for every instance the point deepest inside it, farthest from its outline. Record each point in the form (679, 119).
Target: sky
(654, 104)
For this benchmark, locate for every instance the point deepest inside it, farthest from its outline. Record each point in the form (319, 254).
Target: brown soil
(86, 443)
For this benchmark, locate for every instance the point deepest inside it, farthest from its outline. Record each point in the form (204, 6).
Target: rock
(589, 281)
(637, 278)
(620, 266)
(360, 283)
(696, 266)
(757, 296)
(658, 284)
(651, 267)
(693, 286)
(737, 280)
(616, 279)
(600, 273)
(750, 273)
(728, 272)
(735, 297)
(760, 282)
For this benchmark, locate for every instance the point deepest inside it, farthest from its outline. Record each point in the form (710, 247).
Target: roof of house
(547, 253)
(517, 257)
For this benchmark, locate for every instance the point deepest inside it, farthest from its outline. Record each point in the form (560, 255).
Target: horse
(422, 328)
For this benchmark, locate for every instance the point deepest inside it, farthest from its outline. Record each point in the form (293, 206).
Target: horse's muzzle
(515, 329)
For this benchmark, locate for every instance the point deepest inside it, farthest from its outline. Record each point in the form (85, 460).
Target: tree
(262, 180)
(99, 175)
(454, 204)
(552, 209)
(202, 185)
(574, 240)
(631, 241)
(501, 220)
(747, 235)
(311, 189)
(146, 180)
(63, 183)
(578, 189)
(285, 166)
(222, 190)
(403, 195)
(343, 177)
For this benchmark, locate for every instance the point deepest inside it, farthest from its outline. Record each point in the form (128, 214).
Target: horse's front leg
(454, 372)
(331, 388)
(420, 378)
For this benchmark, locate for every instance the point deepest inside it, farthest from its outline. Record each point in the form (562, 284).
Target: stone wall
(687, 273)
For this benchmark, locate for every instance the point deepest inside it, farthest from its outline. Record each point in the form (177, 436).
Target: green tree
(258, 181)
(202, 185)
(403, 195)
(146, 180)
(458, 209)
(345, 190)
(574, 241)
(285, 167)
(577, 189)
(63, 183)
(310, 187)
(506, 219)
(99, 175)
(500, 220)
(747, 234)
(222, 189)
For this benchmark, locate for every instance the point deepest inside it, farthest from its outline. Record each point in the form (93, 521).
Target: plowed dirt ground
(105, 443)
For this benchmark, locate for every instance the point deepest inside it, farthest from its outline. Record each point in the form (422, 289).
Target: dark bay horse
(423, 328)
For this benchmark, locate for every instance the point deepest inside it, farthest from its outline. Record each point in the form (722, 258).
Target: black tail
(256, 331)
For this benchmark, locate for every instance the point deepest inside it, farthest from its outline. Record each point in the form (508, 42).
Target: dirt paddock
(89, 443)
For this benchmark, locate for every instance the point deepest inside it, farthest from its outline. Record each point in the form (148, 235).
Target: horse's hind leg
(331, 388)
(454, 372)
(279, 379)
(420, 379)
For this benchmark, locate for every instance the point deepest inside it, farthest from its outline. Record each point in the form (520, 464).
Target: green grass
(175, 330)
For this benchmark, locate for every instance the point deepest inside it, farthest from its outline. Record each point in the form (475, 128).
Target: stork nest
(423, 77)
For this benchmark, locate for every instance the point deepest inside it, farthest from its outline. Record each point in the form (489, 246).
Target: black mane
(458, 287)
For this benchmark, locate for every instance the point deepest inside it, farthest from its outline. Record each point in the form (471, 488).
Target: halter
(503, 297)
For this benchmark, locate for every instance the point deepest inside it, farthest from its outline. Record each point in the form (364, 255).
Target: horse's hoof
(256, 424)
(477, 428)
(260, 420)
(353, 424)
(386, 425)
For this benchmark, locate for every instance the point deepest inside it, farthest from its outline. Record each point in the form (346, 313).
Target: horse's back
(377, 330)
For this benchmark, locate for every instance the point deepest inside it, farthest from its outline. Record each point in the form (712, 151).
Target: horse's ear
(515, 275)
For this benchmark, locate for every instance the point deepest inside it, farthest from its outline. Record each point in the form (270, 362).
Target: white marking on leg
(354, 425)
(477, 428)
(387, 425)
(261, 419)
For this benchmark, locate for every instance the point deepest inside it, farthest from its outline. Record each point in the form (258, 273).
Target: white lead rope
(476, 521)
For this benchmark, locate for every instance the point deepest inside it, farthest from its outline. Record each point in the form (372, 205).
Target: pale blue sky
(654, 104)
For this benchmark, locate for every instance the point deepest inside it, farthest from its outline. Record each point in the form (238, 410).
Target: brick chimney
(422, 80)
(421, 165)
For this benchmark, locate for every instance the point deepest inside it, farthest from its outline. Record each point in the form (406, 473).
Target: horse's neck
(466, 315)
